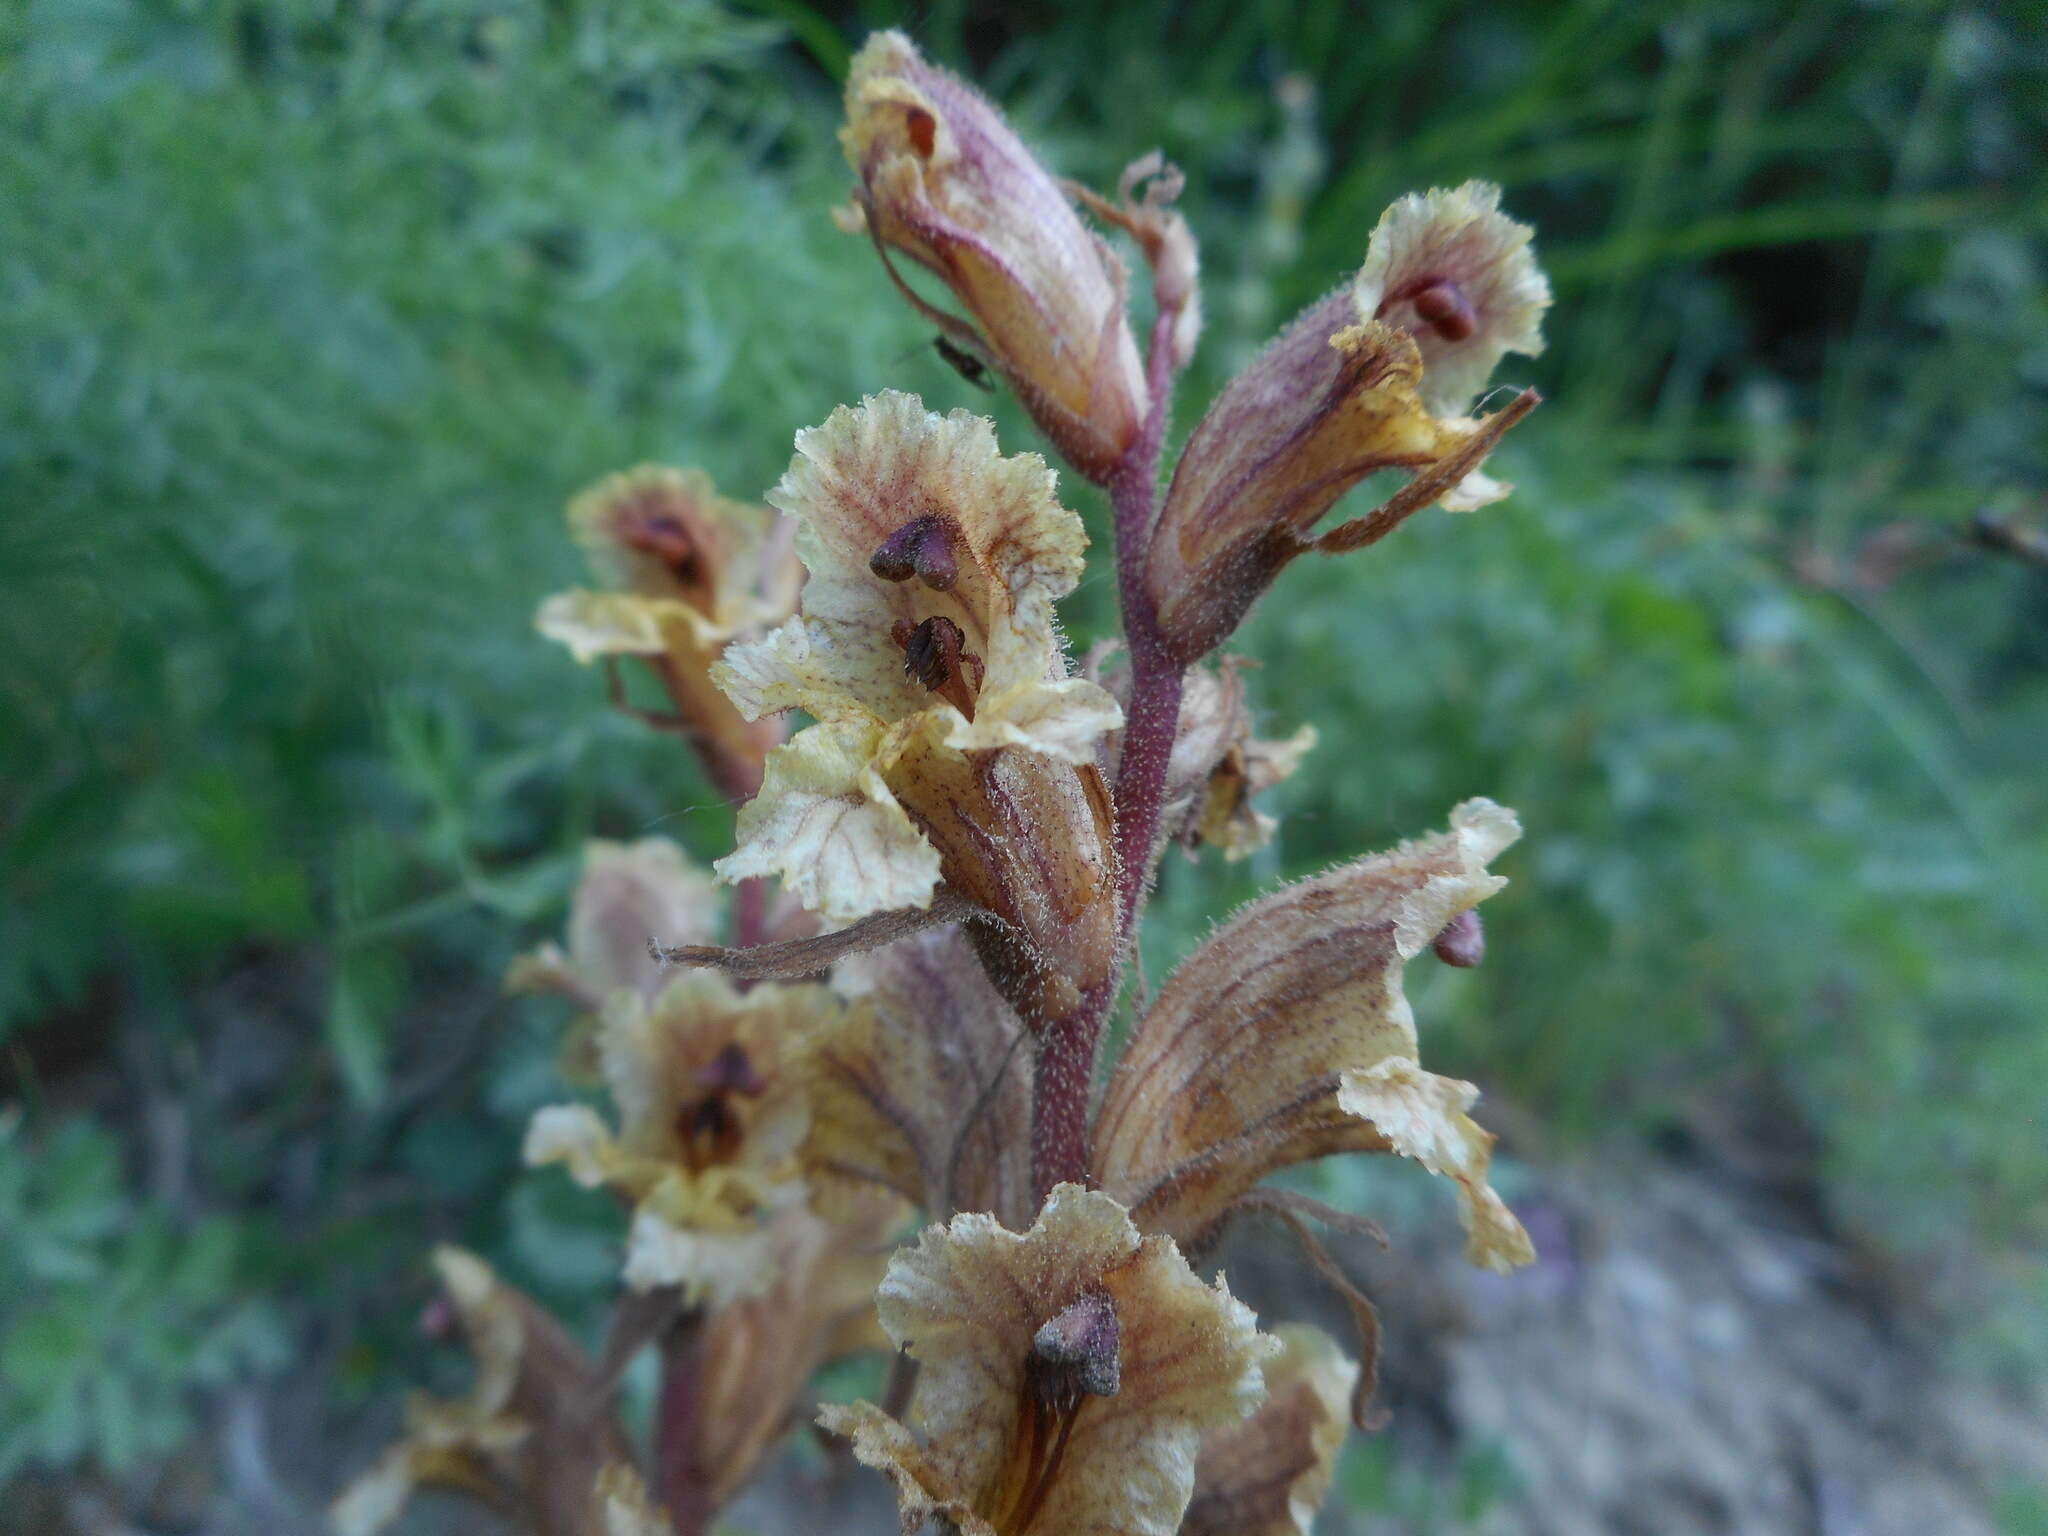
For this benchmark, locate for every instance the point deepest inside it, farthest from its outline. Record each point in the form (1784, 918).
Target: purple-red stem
(1067, 1046)
(684, 1484)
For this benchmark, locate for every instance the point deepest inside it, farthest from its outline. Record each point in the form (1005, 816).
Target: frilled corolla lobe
(945, 181)
(1068, 1376)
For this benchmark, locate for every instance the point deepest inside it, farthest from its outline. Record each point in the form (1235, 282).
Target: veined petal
(1065, 719)
(828, 825)
(1013, 549)
(1269, 1475)
(1259, 1048)
(974, 1302)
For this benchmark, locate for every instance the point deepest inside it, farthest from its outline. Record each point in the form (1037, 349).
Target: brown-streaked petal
(1270, 1474)
(1287, 1037)
(1329, 402)
(924, 1085)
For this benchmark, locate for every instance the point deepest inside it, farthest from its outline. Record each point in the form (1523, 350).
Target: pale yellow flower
(951, 745)
(709, 1124)
(1457, 274)
(945, 181)
(684, 571)
(532, 1437)
(1069, 1374)
(1287, 1037)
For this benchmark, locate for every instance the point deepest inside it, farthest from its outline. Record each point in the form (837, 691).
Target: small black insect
(964, 362)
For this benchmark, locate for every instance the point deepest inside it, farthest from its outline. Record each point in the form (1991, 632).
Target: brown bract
(531, 1438)
(1287, 1037)
(923, 1086)
(1269, 1475)
(1332, 400)
(945, 181)
(1069, 1373)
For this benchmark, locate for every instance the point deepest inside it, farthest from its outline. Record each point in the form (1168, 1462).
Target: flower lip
(922, 547)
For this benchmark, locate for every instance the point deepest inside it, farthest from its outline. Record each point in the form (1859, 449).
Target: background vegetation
(314, 314)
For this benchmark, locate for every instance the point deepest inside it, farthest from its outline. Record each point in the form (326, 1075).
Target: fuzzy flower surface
(950, 742)
(1287, 1037)
(1378, 375)
(1268, 1475)
(1069, 1374)
(946, 182)
(709, 1124)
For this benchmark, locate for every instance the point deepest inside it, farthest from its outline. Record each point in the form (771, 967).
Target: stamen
(1443, 305)
(922, 547)
(1075, 1355)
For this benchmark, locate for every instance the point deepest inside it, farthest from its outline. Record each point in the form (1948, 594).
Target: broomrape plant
(964, 838)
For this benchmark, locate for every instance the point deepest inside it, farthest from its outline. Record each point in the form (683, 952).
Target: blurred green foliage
(316, 313)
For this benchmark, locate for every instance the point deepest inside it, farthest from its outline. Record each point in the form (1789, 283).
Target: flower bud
(1372, 377)
(946, 181)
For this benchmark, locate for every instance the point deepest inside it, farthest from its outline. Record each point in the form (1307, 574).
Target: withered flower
(921, 1086)
(760, 1352)
(1287, 1037)
(709, 1127)
(1069, 1373)
(629, 893)
(951, 746)
(1218, 767)
(1373, 377)
(684, 571)
(532, 1437)
(1270, 1474)
(945, 181)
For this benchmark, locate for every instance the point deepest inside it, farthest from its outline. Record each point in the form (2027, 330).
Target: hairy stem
(1067, 1046)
